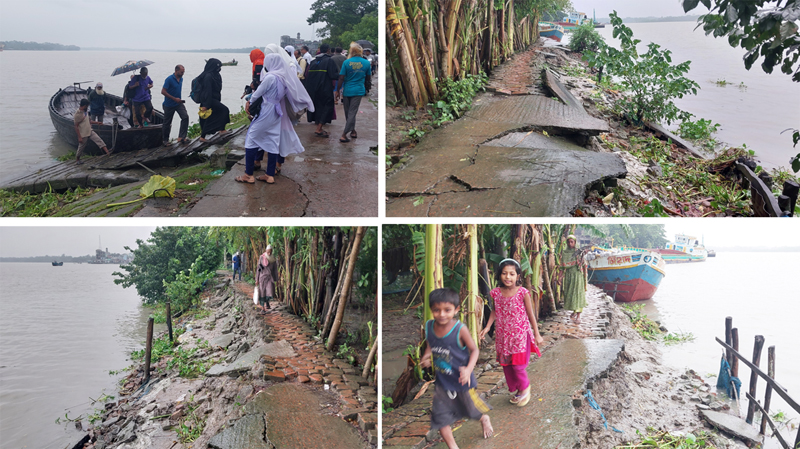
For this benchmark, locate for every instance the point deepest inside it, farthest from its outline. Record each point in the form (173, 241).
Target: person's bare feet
(486, 423)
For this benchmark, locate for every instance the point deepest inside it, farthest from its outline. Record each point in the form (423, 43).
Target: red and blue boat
(626, 274)
(551, 31)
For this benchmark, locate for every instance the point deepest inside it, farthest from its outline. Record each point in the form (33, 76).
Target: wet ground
(401, 328)
(501, 158)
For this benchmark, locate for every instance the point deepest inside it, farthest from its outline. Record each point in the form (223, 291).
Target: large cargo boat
(684, 249)
(626, 274)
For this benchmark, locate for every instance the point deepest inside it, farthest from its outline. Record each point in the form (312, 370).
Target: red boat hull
(629, 291)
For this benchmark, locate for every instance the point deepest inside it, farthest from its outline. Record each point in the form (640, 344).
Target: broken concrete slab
(559, 90)
(247, 432)
(540, 111)
(246, 361)
(222, 342)
(683, 143)
(732, 425)
(602, 355)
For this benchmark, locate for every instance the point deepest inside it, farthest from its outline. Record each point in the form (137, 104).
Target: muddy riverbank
(604, 355)
(240, 379)
(527, 148)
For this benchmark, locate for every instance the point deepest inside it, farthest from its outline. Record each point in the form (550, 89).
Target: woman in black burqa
(321, 71)
(210, 99)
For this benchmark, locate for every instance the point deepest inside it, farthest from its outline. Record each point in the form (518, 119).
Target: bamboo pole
(345, 288)
(472, 286)
(148, 350)
(768, 394)
(169, 321)
(372, 353)
(759, 343)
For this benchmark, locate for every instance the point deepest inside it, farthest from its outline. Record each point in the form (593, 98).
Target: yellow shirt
(81, 120)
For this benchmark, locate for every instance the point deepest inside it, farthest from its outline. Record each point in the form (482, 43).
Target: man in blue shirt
(356, 72)
(172, 104)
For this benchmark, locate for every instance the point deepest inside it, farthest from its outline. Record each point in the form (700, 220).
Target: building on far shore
(106, 257)
(297, 43)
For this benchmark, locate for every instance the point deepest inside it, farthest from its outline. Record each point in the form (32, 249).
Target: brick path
(313, 364)
(409, 425)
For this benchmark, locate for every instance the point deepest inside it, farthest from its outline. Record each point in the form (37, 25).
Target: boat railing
(732, 355)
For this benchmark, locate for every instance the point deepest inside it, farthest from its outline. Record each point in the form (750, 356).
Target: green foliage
(386, 403)
(166, 253)
(699, 131)
(415, 134)
(456, 97)
(677, 338)
(238, 120)
(635, 235)
(185, 362)
(585, 38)
(664, 440)
(193, 131)
(650, 78)
(347, 353)
(25, 204)
(340, 16)
(367, 265)
(162, 347)
(187, 285)
(367, 29)
(765, 28)
(652, 208)
(69, 157)
(646, 327)
(192, 424)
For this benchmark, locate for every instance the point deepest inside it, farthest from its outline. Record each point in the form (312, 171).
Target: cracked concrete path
(517, 155)
(329, 179)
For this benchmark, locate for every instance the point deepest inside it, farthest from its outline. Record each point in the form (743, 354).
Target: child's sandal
(525, 398)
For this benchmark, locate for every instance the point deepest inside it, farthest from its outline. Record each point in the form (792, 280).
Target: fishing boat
(574, 20)
(684, 249)
(232, 62)
(551, 31)
(57, 264)
(117, 130)
(626, 274)
(712, 253)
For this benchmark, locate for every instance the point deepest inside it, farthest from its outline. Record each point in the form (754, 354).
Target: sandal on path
(266, 178)
(525, 398)
(353, 135)
(244, 179)
(322, 134)
(345, 140)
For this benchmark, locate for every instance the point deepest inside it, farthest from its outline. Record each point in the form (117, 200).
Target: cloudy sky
(155, 24)
(69, 240)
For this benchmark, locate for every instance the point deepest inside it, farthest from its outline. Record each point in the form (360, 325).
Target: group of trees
(320, 268)
(433, 40)
(464, 257)
(346, 21)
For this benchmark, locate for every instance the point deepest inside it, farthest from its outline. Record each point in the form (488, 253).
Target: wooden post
(169, 321)
(757, 346)
(768, 394)
(148, 349)
(735, 345)
(790, 190)
(728, 327)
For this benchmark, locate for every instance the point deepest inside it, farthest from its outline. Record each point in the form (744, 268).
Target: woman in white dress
(271, 129)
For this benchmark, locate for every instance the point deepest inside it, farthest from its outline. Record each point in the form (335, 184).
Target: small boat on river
(117, 130)
(684, 249)
(626, 274)
(551, 31)
(57, 264)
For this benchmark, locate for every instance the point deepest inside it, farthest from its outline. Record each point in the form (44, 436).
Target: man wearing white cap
(97, 103)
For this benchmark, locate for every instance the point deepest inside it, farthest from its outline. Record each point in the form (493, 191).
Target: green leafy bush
(651, 80)
(187, 285)
(585, 38)
(699, 131)
(456, 97)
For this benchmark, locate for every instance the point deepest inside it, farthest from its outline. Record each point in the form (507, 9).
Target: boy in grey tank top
(453, 353)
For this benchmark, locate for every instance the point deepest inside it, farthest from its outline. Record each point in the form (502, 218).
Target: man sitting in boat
(142, 84)
(83, 127)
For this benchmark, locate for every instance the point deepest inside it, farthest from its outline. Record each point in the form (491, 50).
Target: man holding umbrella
(141, 97)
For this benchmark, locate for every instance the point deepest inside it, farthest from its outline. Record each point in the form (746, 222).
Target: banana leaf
(156, 186)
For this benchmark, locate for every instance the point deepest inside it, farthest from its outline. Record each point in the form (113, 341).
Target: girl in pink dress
(517, 332)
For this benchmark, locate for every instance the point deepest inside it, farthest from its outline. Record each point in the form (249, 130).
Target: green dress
(574, 288)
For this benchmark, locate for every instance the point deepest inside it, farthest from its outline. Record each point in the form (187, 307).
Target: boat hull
(671, 256)
(556, 35)
(64, 104)
(627, 277)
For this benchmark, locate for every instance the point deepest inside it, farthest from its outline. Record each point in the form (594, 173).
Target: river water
(758, 290)
(28, 140)
(754, 115)
(63, 329)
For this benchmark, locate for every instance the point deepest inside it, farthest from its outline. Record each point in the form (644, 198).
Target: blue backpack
(197, 88)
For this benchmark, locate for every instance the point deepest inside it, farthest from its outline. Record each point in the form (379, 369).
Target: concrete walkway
(502, 158)
(573, 357)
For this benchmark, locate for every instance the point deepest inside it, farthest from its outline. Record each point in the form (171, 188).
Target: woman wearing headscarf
(266, 275)
(574, 280)
(321, 71)
(271, 130)
(213, 114)
(294, 117)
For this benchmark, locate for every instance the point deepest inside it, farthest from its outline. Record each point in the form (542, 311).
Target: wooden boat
(574, 20)
(551, 31)
(712, 253)
(57, 264)
(626, 274)
(684, 249)
(120, 138)
(232, 62)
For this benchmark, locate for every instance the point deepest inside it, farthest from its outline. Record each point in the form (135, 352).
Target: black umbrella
(131, 66)
(365, 44)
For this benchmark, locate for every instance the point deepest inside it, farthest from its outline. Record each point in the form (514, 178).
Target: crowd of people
(286, 83)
